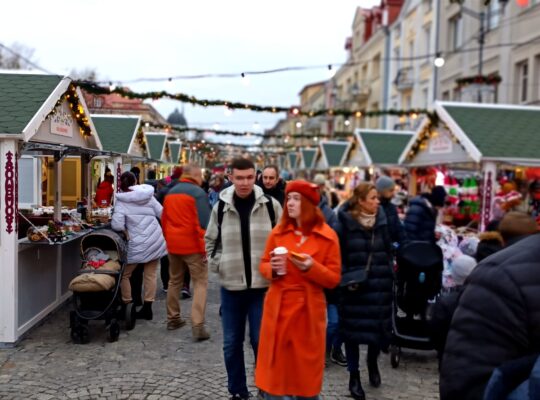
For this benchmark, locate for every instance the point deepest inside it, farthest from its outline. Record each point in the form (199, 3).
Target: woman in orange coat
(290, 360)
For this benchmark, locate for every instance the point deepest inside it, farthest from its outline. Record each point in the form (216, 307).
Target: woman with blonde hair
(366, 284)
(290, 359)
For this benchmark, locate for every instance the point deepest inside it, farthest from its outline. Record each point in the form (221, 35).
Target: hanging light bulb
(347, 122)
(298, 124)
(439, 60)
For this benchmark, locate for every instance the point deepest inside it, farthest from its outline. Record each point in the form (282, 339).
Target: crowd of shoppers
(309, 277)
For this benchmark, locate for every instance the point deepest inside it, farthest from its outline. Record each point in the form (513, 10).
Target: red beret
(309, 190)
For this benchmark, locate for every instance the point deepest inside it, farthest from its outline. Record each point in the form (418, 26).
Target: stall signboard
(441, 144)
(62, 123)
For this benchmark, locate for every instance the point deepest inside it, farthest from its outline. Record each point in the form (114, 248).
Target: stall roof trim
(384, 147)
(116, 132)
(156, 145)
(497, 130)
(21, 97)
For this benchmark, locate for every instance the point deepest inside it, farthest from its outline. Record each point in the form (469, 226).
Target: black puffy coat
(395, 227)
(420, 220)
(365, 314)
(277, 192)
(497, 320)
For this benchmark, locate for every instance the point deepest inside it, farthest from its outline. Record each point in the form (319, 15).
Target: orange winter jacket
(290, 360)
(186, 212)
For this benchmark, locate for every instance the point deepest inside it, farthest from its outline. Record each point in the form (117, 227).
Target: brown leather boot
(199, 333)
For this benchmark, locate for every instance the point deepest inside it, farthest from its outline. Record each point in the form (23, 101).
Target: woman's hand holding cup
(278, 260)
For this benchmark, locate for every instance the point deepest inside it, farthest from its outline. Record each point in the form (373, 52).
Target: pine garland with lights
(491, 79)
(76, 108)
(93, 88)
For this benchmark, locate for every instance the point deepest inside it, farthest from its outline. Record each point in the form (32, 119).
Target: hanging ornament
(522, 3)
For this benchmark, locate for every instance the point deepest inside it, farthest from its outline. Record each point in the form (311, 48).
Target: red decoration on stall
(118, 174)
(9, 190)
(488, 186)
(532, 173)
(17, 193)
(522, 3)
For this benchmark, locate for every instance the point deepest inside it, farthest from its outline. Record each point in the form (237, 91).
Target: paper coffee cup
(282, 252)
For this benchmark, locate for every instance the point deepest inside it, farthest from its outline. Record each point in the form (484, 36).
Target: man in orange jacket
(185, 216)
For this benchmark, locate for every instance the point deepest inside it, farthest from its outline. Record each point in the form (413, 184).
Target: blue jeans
(352, 352)
(333, 337)
(236, 308)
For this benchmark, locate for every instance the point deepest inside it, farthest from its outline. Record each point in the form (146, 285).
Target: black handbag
(354, 279)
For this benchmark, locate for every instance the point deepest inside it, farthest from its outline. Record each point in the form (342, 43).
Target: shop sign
(441, 144)
(62, 123)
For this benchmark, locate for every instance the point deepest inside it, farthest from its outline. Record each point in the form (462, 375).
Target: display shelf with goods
(481, 145)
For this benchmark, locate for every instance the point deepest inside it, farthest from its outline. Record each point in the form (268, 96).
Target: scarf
(367, 220)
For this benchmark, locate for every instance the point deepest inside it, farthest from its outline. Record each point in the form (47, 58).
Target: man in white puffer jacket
(137, 211)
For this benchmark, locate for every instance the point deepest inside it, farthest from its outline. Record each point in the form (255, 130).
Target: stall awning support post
(58, 187)
(489, 175)
(9, 246)
(86, 190)
(117, 173)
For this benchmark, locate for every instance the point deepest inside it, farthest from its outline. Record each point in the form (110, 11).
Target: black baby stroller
(96, 290)
(418, 281)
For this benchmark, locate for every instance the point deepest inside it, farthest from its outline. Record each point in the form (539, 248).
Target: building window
(425, 97)
(455, 36)
(537, 76)
(411, 52)
(493, 15)
(98, 102)
(397, 56)
(376, 66)
(523, 80)
(427, 38)
(456, 94)
(428, 5)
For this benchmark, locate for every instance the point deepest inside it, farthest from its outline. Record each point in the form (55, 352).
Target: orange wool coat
(290, 359)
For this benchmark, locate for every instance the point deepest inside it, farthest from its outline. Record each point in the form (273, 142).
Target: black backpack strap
(271, 211)
(221, 206)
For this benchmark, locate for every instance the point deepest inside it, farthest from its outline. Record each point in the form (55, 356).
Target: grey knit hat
(384, 183)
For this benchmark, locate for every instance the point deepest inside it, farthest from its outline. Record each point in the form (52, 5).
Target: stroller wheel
(114, 331)
(395, 356)
(80, 334)
(129, 317)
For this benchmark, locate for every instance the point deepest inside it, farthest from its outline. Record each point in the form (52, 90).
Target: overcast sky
(125, 40)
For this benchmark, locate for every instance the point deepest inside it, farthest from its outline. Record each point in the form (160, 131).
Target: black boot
(373, 372)
(145, 312)
(355, 387)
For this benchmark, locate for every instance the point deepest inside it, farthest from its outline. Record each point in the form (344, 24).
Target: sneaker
(175, 324)
(186, 294)
(337, 357)
(200, 333)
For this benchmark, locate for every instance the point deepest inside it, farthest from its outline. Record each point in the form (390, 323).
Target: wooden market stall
(46, 142)
(484, 138)
(158, 153)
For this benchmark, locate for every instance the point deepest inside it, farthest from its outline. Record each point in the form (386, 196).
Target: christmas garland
(93, 88)
(491, 79)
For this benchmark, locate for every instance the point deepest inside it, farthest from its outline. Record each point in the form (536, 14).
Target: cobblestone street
(153, 363)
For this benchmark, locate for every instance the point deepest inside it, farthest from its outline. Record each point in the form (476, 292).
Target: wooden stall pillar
(489, 175)
(9, 189)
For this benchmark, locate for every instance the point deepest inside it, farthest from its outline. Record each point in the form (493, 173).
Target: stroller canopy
(420, 255)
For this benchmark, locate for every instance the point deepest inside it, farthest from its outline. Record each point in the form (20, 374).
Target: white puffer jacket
(137, 212)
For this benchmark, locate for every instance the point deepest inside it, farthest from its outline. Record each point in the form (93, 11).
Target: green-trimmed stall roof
(115, 133)
(293, 157)
(21, 96)
(175, 152)
(500, 132)
(334, 152)
(384, 147)
(155, 145)
(308, 155)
